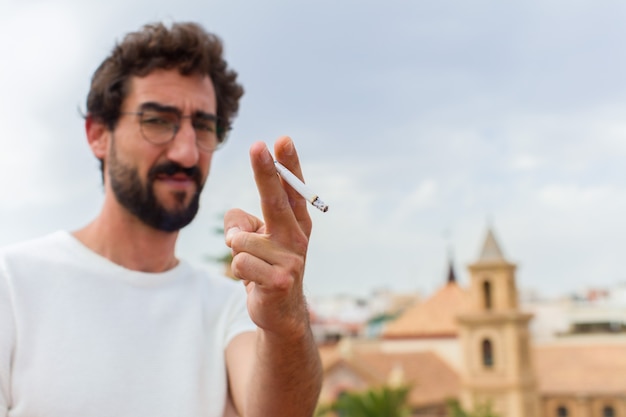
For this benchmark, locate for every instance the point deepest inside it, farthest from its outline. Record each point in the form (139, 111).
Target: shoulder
(47, 245)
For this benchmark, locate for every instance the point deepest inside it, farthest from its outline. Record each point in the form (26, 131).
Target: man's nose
(183, 149)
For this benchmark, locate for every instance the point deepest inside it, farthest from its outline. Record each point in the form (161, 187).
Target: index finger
(278, 214)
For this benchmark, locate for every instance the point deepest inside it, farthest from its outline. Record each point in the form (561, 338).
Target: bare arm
(275, 371)
(273, 385)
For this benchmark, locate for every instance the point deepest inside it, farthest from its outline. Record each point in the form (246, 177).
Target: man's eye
(204, 126)
(156, 121)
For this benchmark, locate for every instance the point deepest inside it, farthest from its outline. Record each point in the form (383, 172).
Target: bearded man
(106, 320)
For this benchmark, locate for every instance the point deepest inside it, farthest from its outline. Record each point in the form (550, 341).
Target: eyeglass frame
(221, 133)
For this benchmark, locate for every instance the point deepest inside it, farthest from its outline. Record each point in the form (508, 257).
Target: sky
(420, 123)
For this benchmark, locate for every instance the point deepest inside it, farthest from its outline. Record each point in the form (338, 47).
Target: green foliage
(227, 257)
(481, 410)
(377, 402)
(224, 259)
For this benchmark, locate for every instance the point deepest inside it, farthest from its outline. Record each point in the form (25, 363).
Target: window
(487, 294)
(561, 411)
(487, 351)
(608, 411)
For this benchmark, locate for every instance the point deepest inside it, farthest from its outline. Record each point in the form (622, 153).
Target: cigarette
(300, 187)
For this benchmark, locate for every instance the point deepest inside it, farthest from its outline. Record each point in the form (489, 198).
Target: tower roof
(491, 249)
(451, 274)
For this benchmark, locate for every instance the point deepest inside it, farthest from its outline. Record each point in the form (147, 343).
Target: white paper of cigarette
(300, 187)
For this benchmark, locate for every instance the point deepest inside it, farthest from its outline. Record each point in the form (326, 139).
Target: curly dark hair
(184, 46)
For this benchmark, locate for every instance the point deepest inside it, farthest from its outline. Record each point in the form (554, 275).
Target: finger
(277, 212)
(245, 266)
(269, 250)
(285, 153)
(254, 270)
(236, 220)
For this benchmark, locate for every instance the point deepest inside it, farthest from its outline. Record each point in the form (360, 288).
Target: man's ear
(98, 137)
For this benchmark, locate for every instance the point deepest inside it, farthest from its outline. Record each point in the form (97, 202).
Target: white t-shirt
(83, 337)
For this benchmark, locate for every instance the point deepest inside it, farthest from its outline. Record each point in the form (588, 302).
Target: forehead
(189, 93)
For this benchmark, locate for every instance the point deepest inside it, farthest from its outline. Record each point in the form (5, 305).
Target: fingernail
(230, 233)
(267, 156)
(289, 148)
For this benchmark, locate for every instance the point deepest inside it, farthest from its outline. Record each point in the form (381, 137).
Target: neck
(125, 240)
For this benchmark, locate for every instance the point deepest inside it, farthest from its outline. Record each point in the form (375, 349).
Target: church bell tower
(498, 368)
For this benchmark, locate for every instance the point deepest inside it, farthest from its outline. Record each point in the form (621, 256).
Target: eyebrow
(153, 105)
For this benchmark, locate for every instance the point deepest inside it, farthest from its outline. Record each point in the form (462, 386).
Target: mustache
(171, 168)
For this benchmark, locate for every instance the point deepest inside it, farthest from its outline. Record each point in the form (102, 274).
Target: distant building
(475, 345)
(337, 317)
(600, 311)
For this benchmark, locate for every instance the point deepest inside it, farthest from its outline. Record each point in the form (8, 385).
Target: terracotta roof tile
(581, 368)
(433, 380)
(435, 317)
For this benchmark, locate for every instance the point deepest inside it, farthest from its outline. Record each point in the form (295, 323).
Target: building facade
(474, 345)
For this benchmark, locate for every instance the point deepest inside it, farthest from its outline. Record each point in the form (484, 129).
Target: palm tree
(384, 401)
(481, 410)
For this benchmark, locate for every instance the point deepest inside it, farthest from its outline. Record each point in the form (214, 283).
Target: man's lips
(175, 177)
(178, 180)
(171, 171)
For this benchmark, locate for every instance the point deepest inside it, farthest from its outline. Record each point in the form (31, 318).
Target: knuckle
(239, 241)
(239, 264)
(283, 282)
(286, 277)
(300, 243)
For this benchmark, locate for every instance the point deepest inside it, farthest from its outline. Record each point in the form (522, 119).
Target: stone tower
(495, 340)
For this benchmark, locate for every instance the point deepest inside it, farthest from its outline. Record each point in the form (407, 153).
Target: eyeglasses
(159, 127)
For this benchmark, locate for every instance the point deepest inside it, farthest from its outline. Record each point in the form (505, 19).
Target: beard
(140, 200)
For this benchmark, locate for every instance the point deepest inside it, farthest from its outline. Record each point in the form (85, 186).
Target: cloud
(566, 197)
(411, 118)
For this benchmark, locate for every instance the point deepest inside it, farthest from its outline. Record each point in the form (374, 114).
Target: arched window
(487, 351)
(561, 411)
(608, 411)
(487, 294)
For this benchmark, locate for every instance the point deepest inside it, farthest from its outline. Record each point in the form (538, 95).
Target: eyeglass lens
(160, 127)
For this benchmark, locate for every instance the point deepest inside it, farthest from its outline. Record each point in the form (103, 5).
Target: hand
(269, 255)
